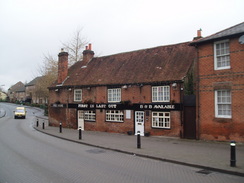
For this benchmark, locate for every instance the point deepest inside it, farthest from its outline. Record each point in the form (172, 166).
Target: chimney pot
(90, 46)
(88, 54)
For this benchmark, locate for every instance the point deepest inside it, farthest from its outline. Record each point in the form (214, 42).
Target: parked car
(20, 112)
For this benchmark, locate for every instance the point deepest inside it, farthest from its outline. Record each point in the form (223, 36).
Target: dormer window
(221, 55)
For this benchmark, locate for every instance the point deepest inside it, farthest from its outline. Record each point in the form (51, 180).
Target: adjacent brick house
(139, 91)
(220, 85)
(17, 92)
(32, 94)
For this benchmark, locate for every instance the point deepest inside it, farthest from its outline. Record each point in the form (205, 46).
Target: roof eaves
(203, 41)
(230, 32)
(117, 84)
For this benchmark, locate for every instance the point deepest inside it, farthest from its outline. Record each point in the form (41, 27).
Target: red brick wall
(210, 127)
(62, 66)
(134, 93)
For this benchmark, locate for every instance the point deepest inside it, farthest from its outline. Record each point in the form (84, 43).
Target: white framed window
(161, 120)
(223, 103)
(77, 95)
(114, 115)
(114, 95)
(160, 93)
(90, 115)
(221, 55)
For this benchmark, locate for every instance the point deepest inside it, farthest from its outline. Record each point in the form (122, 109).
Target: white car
(20, 112)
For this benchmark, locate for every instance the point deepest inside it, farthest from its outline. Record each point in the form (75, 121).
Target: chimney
(62, 66)
(199, 34)
(87, 54)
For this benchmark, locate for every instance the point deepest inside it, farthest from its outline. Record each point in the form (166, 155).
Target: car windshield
(20, 110)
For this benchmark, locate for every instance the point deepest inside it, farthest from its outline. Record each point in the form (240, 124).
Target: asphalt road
(28, 156)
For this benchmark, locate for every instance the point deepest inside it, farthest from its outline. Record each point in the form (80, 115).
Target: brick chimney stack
(199, 34)
(62, 66)
(87, 54)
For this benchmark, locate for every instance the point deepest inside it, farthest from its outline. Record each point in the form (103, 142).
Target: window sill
(115, 121)
(162, 128)
(221, 68)
(222, 120)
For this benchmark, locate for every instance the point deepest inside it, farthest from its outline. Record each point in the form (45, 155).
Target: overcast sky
(30, 28)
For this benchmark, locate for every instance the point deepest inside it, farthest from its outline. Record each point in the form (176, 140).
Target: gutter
(209, 40)
(116, 84)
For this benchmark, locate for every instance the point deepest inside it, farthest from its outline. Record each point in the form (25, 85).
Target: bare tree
(49, 68)
(48, 72)
(75, 47)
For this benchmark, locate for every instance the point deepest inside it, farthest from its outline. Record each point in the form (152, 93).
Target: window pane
(114, 95)
(223, 103)
(115, 116)
(161, 119)
(160, 94)
(77, 95)
(222, 52)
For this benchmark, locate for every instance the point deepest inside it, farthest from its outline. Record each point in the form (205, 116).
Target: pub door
(139, 123)
(81, 117)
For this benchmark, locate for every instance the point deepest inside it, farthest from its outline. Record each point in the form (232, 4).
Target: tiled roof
(159, 64)
(16, 87)
(229, 32)
(21, 89)
(33, 82)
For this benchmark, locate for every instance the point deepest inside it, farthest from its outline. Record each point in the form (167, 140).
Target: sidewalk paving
(2, 112)
(209, 155)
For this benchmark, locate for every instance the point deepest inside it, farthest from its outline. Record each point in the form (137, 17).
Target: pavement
(206, 155)
(2, 112)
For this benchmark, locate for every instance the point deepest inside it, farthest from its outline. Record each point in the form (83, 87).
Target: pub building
(137, 92)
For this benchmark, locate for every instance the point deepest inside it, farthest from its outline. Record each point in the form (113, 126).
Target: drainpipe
(197, 97)
(181, 111)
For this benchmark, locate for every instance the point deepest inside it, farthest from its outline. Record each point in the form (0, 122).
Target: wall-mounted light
(174, 85)
(88, 88)
(125, 87)
(56, 90)
(70, 89)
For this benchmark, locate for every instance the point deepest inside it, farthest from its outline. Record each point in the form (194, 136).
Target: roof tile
(159, 64)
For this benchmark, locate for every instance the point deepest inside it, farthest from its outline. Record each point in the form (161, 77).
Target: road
(28, 156)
